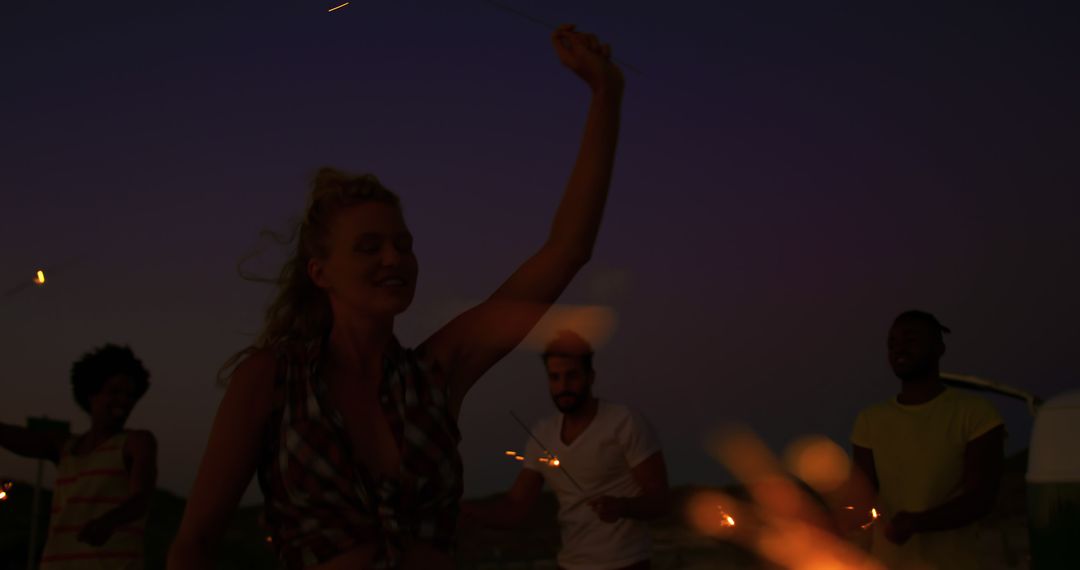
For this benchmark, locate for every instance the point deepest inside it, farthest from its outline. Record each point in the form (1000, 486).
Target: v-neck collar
(588, 427)
(387, 405)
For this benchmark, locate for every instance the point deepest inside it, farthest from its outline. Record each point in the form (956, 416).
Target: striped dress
(320, 502)
(88, 486)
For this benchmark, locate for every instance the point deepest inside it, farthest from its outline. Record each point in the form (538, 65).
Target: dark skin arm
(140, 454)
(651, 476)
(982, 474)
(32, 444)
(510, 511)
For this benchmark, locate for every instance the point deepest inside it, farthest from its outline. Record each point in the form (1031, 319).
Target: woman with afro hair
(105, 477)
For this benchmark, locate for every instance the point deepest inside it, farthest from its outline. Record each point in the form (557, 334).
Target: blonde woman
(354, 438)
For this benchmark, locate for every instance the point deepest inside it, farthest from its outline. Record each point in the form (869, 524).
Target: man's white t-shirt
(599, 460)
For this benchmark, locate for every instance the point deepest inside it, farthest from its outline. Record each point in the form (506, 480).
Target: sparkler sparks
(338, 7)
(873, 519)
(553, 460)
(726, 519)
(4, 488)
(873, 516)
(548, 460)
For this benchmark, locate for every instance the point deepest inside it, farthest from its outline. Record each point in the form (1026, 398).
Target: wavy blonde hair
(301, 310)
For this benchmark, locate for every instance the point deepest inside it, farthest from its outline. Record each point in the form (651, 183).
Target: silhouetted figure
(105, 478)
(353, 437)
(933, 453)
(604, 464)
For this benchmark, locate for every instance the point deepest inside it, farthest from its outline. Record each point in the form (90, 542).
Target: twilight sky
(790, 176)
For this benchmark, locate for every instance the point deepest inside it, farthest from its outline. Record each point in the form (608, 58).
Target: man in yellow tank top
(933, 454)
(105, 478)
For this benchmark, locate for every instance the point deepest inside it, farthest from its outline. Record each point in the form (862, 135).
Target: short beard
(579, 402)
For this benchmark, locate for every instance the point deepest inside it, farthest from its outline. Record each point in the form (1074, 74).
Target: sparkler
(39, 280)
(726, 520)
(552, 460)
(546, 25)
(548, 460)
(873, 516)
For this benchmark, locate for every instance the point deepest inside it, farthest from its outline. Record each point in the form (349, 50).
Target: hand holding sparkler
(589, 59)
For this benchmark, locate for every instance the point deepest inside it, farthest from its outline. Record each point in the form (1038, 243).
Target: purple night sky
(790, 176)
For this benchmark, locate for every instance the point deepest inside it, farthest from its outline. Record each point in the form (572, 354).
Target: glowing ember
(510, 453)
(555, 462)
(4, 488)
(519, 458)
(338, 7)
(873, 518)
(726, 520)
(40, 278)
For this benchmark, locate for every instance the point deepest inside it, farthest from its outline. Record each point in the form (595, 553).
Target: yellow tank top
(87, 486)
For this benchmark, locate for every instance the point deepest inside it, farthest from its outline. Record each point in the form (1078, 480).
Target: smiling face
(914, 347)
(369, 267)
(111, 406)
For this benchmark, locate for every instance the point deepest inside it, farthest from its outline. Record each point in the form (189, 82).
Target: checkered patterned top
(319, 502)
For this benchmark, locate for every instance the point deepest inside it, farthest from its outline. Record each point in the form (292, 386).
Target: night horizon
(788, 180)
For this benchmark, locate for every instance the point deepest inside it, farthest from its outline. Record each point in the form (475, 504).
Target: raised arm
(32, 444)
(140, 455)
(228, 464)
(477, 339)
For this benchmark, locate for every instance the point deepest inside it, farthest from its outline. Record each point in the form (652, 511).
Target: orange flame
(40, 278)
(510, 453)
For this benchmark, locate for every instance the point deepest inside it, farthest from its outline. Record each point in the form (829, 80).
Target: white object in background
(1055, 441)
